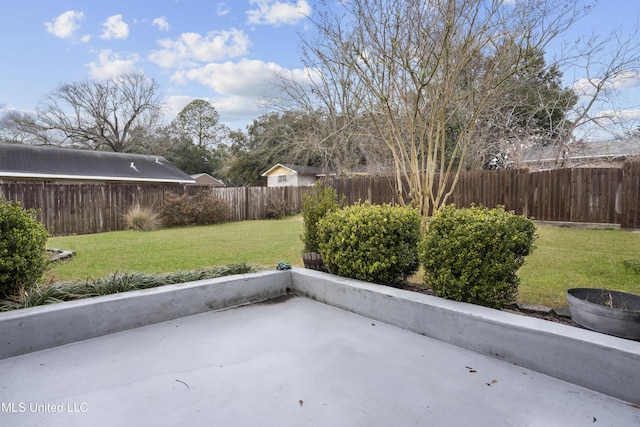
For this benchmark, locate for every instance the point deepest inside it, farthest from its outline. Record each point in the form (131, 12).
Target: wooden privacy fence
(67, 209)
(597, 195)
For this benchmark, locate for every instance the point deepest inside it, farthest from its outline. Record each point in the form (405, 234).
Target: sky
(223, 51)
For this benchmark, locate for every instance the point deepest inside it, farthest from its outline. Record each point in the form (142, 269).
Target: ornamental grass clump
(23, 239)
(473, 254)
(376, 243)
(143, 219)
(51, 293)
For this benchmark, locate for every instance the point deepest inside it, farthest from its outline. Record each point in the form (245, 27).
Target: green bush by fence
(186, 209)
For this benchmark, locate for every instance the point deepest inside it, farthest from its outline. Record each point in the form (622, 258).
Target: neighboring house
(206, 179)
(607, 154)
(286, 175)
(26, 162)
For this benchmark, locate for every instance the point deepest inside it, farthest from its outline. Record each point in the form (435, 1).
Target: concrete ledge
(32, 329)
(592, 360)
(596, 361)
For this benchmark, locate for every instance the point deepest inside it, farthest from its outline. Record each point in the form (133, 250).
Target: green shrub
(143, 219)
(23, 240)
(473, 254)
(371, 242)
(316, 203)
(211, 210)
(187, 209)
(277, 209)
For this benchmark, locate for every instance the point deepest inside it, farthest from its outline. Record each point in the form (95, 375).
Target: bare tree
(91, 114)
(426, 74)
(337, 129)
(606, 65)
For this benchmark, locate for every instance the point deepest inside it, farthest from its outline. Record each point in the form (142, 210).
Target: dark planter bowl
(602, 310)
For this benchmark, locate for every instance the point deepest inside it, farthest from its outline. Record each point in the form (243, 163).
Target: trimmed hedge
(23, 240)
(376, 243)
(316, 203)
(473, 254)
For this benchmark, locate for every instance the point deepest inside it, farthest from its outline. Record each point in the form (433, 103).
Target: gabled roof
(611, 149)
(37, 162)
(209, 178)
(300, 170)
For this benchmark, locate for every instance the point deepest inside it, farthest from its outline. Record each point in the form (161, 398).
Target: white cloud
(110, 64)
(247, 77)
(619, 115)
(276, 13)
(624, 80)
(115, 28)
(240, 87)
(162, 23)
(222, 9)
(251, 78)
(192, 48)
(66, 24)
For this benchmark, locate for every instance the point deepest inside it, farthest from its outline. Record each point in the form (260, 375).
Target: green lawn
(573, 258)
(564, 257)
(259, 243)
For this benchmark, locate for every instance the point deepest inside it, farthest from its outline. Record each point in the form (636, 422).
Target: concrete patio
(299, 348)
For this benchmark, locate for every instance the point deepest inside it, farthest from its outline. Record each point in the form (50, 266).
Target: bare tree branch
(426, 75)
(92, 114)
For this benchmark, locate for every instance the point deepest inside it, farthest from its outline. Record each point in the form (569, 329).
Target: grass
(259, 243)
(574, 258)
(564, 258)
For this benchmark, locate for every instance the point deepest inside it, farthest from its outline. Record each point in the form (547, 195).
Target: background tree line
(406, 87)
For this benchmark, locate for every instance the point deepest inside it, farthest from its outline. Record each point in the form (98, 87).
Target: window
(282, 178)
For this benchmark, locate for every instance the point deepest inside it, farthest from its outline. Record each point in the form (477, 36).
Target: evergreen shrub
(473, 254)
(376, 243)
(321, 199)
(23, 240)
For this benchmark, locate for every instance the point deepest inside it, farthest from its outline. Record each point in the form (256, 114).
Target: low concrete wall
(37, 328)
(596, 361)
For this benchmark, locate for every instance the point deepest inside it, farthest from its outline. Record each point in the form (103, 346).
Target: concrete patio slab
(291, 361)
(305, 348)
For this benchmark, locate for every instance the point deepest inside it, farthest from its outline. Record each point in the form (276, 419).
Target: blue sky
(223, 51)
